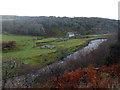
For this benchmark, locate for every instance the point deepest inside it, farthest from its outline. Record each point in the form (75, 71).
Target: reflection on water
(91, 46)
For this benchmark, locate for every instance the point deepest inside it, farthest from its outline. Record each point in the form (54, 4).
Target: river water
(86, 50)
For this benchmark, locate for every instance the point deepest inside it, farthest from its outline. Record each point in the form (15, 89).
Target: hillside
(105, 77)
(57, 26)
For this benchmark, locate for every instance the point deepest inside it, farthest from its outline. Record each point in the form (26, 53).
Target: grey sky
(69, 8)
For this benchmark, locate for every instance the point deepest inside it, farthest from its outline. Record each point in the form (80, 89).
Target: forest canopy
(52, 26)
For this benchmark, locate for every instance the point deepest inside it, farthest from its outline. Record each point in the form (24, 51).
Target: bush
(63, 52)
(114, 54)
(9, 69)
(9, 46)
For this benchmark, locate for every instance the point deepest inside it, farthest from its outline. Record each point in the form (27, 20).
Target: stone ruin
(47, 46)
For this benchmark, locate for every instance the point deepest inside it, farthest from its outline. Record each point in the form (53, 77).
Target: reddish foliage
(114, 70)
(8, 45)
(93, 79)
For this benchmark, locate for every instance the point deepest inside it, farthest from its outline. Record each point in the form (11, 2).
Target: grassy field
(26, 50)
(32, 55)
(47, 40)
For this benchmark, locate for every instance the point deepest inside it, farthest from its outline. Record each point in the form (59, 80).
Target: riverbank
(98, 75)
(40, 75)
(29, 58)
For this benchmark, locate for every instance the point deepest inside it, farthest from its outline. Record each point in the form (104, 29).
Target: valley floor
(28, 56)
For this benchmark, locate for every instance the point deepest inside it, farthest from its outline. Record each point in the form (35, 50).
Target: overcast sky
(69, 8)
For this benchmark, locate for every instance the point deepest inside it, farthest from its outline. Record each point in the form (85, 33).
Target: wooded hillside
(57, 26)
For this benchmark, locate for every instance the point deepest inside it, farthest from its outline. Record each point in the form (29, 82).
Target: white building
(70, 34)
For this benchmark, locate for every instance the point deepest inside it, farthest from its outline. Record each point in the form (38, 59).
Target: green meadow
(31, 54)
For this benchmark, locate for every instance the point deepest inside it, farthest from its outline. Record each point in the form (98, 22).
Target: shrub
(114, 53)
(63, 52)
(9, 69)
(91, 79)
(9, 46)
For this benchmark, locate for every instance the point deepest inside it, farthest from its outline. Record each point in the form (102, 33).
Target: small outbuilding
(70, 34)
